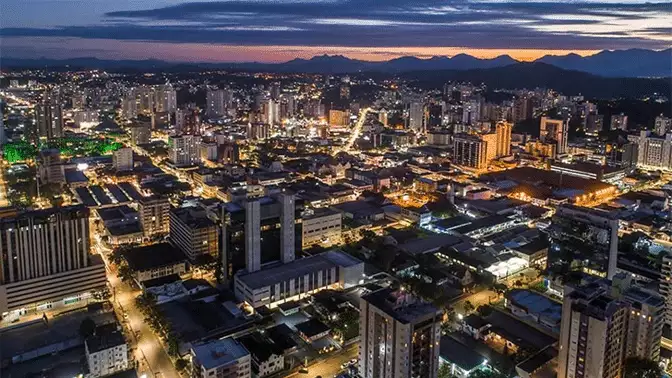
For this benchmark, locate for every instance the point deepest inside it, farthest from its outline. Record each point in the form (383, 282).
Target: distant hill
(620, 63)
(536, 74)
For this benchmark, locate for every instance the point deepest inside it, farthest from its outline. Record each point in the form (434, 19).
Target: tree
(87, 328)
(444, 371)
(518, 283)
(125, 273)
(173, 345)
(642, 368)
(484, 311)
(181, 364)
(468, 307)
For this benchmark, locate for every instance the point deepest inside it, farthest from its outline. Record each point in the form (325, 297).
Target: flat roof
(434, 242)
(297, 268)
(459, 354)
(312, 327)
(488, 221)
(153, 256)
(219, 353)
(105, 338)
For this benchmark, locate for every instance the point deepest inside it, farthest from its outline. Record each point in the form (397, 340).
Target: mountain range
(618, 63)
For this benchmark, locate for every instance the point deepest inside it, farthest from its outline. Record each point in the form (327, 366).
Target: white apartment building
(106, 353)
(324, 226)
(225, 358)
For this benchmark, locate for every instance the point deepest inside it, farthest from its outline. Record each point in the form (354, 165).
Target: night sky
(264, 30)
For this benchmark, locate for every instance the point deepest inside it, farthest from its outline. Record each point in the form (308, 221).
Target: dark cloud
(390, 23)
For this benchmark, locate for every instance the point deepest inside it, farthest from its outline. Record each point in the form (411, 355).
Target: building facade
(154, 215)
(225, 358)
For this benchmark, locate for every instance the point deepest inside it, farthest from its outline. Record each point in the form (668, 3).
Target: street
(477, 299)
(331, 366)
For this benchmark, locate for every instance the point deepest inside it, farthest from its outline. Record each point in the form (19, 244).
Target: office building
(122, 159)
(619, 122)
(106, 351)
(662, 125)
(322, 227)
(45, 261)
(653, 152)
(184, 150)
(555, 130)
(399, 336)
(154, 215)
(278, 283)
(252, 235)
(224, 358)
(194, 233)
(287, 232)
(49, 118)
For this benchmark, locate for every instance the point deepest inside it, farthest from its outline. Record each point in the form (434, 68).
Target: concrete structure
(193, 233)
(252, 235)
(645, 324)
(619, 122)
(106, 352)
(50, 167)
(416, 117)
(45, 261)
(225, 358)
(279, 283)
(217, 102)
(154, 261)
(165, 99)
(287, 220)
(556, 130)
(469, 151)
(154, 215)
(503, 131)
(140, 134)
(323, 226)
(184, 150)
(399, 336)
(122, 159)
(662, 125)
(49, 118)
(653, 152)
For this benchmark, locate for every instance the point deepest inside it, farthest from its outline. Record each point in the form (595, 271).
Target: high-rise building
(345, 91)
(503, 131)
(662, 125)
(399, 336)
(619, 122)
(653, 151)
(666, 287)
(556, 130)
(140, 134)
(122, 159)
(252, 235)
(154, 215)
(593, 123)
(50, 167)
(49, 118)
(471, 113)
(216, 103)
(275, 89)
(188, 121)
(165, 98)
(605, 322)
(184, 150)
(193, 233)
(224, 358)
(129, 106)
(2, 127)
(470, 151)
(270, 112)
(339, 118)
(522, 109)
(258, 131)
(287, 222)
(416, 116)
(593, 334)
(45, 261)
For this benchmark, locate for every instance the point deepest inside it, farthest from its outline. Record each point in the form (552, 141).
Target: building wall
(178, 268)
(154, 215)
(315, 229)
(107, 361)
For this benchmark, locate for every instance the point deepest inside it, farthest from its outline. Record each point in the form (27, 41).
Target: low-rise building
(154, 261)
(324, 226)
(106, 351)
(267, 359)
(225, 358)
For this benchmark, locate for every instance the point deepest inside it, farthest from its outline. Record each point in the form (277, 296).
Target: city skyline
(243, 31)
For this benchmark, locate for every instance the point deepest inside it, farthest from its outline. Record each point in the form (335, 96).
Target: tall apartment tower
(416, 116)
(287, 236)
(184, 150)
(49, 118)
(399, 336)
(555, 129)
(252, 235)
(666, 287)
(470, 151)
(604, 323)
(44, 259)
(592, 334)
(122, 159)
(154, 215)
(503, 131)
(215, 103)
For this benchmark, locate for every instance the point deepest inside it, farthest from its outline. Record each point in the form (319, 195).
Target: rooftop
(192, 217)
(219, 353)
(400, 305)
(153, 256)
(105, 338)
(297, 268)
(312, 327)
(459, 354)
